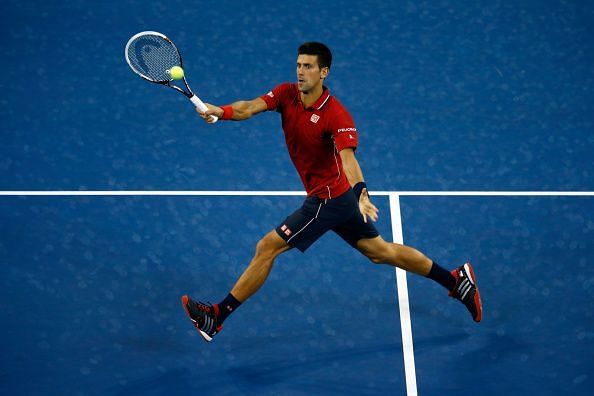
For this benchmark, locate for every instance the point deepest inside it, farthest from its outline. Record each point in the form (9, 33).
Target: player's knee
(267, 247)
(263, 248)
(375, 259)
(378, 258)
(374, 256)
(385, 254)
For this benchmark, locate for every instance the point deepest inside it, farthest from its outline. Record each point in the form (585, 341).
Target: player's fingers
(203, 115)
(214, 110)
(371, 215)
(372, 212)
(371, 207)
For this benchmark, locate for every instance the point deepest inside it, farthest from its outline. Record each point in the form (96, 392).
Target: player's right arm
(241, 110)
(244, 109)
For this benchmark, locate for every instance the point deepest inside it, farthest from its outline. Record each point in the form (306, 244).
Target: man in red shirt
(321, 138)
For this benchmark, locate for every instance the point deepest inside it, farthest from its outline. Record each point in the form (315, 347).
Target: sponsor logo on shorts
(286, 230)
(314, 118)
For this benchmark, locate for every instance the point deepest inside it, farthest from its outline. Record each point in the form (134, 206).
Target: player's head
(313, 65)
(321, 51)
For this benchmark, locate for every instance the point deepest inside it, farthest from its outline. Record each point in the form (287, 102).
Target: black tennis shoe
(467, 291)
(204, 317)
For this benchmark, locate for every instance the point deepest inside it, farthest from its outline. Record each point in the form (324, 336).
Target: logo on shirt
(286, 230)
(314, 118)
(270, 94)
(347, 130)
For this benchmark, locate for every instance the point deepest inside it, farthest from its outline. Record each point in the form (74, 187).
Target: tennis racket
(151, 55)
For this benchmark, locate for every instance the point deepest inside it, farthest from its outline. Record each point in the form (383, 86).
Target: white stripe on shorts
(308, 223)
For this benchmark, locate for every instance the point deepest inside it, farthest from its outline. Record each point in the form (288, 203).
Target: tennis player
(321, 138)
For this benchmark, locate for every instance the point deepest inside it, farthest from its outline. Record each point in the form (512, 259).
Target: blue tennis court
(450, 98)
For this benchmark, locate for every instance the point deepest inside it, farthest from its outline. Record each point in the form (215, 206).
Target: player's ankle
(226, 307)
(442, 276)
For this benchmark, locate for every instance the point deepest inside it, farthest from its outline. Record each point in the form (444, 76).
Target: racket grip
(202, 107)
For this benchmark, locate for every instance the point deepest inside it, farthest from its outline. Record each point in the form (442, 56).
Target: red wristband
(227, 112)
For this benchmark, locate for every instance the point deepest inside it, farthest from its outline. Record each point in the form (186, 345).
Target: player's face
(309, 74)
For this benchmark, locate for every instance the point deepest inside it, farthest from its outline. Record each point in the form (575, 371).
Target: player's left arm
(353, 172)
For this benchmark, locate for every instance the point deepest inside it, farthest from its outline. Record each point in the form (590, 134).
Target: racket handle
(202, 107)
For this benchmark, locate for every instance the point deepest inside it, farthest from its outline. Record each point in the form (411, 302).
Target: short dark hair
(320, 50)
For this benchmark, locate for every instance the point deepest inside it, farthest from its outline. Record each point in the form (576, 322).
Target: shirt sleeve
(275, 98)
(343, 131)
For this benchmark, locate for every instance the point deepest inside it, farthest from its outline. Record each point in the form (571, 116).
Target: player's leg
(405, 257)
(300, 230)
(208, 319)
(381, 252)
(460, 282)
(363, 236)
(267, 249)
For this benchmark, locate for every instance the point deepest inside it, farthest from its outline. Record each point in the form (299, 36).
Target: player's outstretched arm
(355, 175)
(240, 110)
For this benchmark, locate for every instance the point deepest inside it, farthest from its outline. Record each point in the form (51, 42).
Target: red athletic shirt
(314, 136)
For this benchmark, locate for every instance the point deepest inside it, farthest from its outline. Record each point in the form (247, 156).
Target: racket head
(151, 55)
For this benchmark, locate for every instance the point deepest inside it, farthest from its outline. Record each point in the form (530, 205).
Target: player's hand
(212, 110)
(366, 207)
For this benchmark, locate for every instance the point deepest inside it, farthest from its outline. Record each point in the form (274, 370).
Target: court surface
(448, 97)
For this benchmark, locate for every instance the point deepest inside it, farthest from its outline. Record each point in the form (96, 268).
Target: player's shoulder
(284, 90)
(335, 106)
(286, 86)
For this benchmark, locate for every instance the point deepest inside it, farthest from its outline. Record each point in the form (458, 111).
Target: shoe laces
(207, 308)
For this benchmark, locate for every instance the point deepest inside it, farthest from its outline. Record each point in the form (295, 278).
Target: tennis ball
(176, 73)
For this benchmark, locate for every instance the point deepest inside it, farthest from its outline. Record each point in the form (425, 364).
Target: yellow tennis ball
(176, 73)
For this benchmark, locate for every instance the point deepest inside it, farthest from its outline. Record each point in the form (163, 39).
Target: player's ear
(324, 72)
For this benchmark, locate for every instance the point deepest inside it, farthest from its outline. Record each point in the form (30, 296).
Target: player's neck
(309, 98)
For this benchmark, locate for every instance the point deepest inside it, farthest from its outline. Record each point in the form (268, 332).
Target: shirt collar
(322, 100)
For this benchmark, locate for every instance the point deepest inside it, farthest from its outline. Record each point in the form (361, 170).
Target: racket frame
(198, 103)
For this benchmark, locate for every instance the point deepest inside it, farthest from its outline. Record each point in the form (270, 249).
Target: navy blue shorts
(341, 215)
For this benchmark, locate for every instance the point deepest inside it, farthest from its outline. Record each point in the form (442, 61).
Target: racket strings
(152, 56)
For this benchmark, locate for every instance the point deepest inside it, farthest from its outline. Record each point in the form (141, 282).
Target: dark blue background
(446, 96)
(457, 95)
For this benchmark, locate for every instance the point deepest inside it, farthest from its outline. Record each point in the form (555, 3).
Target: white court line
(402, 286)
(490, 193)
(153, 192)
(297, 193)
